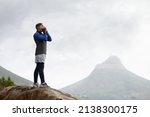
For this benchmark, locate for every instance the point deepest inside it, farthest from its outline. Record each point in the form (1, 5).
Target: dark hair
(37, 25)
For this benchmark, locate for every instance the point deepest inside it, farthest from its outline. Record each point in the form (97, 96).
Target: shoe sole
(44, 86)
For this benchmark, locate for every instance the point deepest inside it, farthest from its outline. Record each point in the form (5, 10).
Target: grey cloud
(12, 15)
(88, 27)
(82, 22)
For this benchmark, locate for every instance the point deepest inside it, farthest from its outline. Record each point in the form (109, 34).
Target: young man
(40, 37)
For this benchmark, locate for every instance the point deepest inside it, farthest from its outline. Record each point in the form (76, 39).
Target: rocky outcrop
(30, 93)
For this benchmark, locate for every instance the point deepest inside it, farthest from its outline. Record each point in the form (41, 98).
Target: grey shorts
(40, 58)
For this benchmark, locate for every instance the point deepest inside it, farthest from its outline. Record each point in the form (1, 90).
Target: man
(40, 37)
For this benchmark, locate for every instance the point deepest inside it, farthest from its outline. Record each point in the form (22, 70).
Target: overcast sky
(84, 33)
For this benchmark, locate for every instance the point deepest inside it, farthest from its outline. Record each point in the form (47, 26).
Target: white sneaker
(44, 84)
(35, 85)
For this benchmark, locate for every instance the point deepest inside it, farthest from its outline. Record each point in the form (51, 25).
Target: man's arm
(48, 37)
(41, 37)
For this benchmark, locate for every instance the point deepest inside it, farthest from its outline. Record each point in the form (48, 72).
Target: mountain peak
(112, 62)
(111, 81)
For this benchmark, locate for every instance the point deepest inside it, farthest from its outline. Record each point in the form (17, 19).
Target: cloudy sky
(84, 33)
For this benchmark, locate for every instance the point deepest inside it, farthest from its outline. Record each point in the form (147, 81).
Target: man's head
(39, 27)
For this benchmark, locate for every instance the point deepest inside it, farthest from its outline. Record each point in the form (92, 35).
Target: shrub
(5, 82)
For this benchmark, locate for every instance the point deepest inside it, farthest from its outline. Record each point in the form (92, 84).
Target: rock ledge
(30, 93)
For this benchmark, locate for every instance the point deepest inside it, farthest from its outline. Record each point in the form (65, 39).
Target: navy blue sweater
(41, 42)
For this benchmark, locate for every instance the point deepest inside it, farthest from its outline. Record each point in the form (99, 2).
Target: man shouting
(41, 37)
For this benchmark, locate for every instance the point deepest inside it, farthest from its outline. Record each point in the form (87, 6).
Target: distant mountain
(111, 80)
(17, 79)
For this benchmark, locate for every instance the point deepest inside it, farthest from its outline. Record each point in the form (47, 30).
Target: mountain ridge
(18, 80)
(111, 80)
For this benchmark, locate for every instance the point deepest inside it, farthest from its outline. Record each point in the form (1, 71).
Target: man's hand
(44, 30)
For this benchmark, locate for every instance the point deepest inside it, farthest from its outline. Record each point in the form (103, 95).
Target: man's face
(40, 28)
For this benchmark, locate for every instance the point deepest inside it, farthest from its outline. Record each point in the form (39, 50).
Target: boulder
(30, 93)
